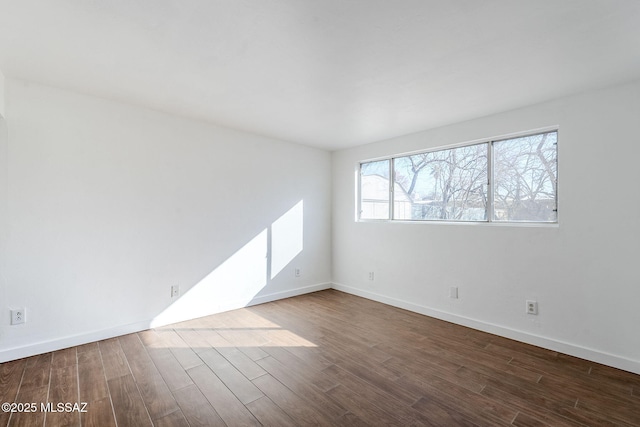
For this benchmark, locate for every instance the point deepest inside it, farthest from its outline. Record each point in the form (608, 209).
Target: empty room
(319, 212)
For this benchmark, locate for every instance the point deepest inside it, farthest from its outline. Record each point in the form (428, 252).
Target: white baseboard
(71, 341)
(549, 343)
(537, 340)
(235, 304)
(290, 293)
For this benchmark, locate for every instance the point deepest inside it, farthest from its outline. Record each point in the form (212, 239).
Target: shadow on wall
(238, 280)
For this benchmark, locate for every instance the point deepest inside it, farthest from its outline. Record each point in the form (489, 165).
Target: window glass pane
(442, 185)
(525, 172)
(374, 190)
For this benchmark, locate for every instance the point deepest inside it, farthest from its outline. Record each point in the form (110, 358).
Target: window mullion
(556, 182)
(490, 182)
(392, 181)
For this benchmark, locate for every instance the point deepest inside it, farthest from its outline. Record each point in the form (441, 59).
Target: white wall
(1, 95)
(3, 214)
(3, 193)
(109, 205)
(583, 273)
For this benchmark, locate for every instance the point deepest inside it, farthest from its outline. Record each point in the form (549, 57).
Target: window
(525, 171)
(374, 190)
(446, 185)
(508, 180)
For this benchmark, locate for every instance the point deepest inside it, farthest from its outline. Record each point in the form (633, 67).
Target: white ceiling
(326, 73)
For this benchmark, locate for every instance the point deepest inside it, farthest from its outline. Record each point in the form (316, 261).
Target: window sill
(467, 223)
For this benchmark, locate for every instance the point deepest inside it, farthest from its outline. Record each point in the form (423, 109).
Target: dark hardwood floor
(328, 359)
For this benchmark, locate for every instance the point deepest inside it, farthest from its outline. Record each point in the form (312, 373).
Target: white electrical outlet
(18, 316)
(175, 291)
(453, 292)
(371, 276)
(297, 272)
(532, 307)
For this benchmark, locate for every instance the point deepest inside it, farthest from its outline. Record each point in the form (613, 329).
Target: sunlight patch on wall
(286, 238)
(234, 283)
(237, 281)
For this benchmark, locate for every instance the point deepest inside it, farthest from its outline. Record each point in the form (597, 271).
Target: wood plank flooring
(322, 359)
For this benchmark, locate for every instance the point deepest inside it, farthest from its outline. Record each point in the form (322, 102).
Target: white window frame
(490, 208)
